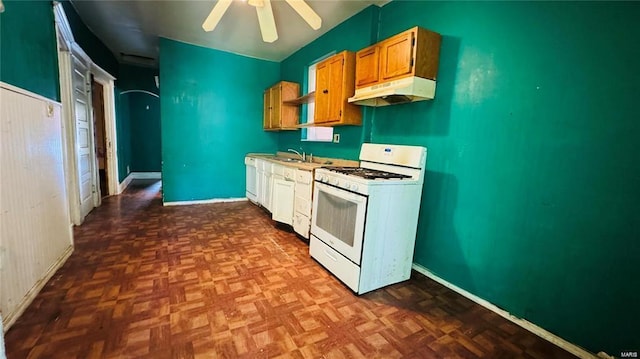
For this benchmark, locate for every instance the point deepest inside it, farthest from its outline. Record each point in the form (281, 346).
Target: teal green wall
(144, 149)
(531, 192)
(355, 33)
(211, 111)
(28, 55)
(531, 195)
(89, 42)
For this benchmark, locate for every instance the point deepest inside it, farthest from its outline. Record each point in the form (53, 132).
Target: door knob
(325, 91)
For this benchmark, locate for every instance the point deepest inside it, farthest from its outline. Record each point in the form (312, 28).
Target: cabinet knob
(325, 91)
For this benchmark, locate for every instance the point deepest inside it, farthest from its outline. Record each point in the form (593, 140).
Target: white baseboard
(204, 201)
(11, 317)
(125, 183)
(542, 333)
(146, 175)
(137, 175)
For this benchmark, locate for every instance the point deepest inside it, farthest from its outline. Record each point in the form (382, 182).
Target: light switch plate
(336, 138)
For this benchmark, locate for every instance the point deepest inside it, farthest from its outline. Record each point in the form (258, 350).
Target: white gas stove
(379, 165)
(365, 218)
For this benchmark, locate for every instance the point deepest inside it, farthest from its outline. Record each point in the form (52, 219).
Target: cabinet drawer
(303, 205)
(303, 176)
(301, 224)
(341, 267)
(289, 173)
(277, 170)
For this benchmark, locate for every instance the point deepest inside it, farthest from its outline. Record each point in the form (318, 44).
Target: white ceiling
(133, 27)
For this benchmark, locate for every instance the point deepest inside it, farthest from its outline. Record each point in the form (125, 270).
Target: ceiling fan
(265, 16)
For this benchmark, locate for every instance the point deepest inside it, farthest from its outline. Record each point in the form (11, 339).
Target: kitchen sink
(288, 159)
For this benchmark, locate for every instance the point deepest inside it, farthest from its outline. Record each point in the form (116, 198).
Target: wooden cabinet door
(266, 116)
(367, 66)
(396, 55)
(336, 97)
(276, 106)
(279, 115)
(329, 94)
(322, 92)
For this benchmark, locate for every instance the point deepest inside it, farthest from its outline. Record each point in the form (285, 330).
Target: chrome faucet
(302, 156)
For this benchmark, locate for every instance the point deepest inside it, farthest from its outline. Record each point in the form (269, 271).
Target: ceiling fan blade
(306, 12)
(216, 14)
(267, 22)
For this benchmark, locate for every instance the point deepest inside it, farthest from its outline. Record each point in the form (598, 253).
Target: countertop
(307, 166)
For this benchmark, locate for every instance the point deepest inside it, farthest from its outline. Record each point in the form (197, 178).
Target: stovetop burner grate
(367, 173)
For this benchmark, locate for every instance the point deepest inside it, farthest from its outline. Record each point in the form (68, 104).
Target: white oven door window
(338, 219)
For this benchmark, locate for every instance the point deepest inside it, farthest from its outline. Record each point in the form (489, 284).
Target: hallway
(220, 281)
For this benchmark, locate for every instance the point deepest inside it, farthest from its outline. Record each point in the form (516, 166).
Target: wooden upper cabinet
(397, 55)
(335, 79)
(279, 115)
(414, 52)
(266, 114)
(322, 92)
(367, 65)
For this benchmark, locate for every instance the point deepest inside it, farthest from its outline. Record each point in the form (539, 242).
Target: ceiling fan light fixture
(215, 15)
(306, 12)
(265, 16)
(267, 22)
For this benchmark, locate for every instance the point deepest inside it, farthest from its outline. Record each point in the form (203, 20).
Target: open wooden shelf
(302, 99)
(307, 125)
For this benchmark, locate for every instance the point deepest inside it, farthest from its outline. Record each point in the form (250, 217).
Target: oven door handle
(331, 256)
(338, 192)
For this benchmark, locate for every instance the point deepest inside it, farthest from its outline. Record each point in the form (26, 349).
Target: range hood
(408, 89)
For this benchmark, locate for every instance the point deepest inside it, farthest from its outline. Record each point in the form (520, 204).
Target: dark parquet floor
(221, 281)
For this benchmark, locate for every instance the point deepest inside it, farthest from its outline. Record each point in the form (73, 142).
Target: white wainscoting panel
(35, 228)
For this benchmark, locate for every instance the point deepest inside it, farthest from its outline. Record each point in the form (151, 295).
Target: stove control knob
(354, 187)
(347, 185)
(334, 181)
(323, 178)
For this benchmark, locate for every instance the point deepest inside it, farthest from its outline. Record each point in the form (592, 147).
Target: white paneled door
(87, 177)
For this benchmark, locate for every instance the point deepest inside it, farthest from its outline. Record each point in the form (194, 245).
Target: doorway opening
(97, 102)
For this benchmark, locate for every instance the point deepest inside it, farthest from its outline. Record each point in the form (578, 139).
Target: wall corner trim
(542, 333)
(204, 201)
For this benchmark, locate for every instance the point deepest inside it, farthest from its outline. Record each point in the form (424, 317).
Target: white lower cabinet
(301, 224)
(286, 193)
(263, 183)
(302, 205)
(282, 201)
(267, 184)
(260, 177)
(251, 179)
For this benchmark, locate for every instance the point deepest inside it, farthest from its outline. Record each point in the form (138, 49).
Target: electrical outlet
(336, 138)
